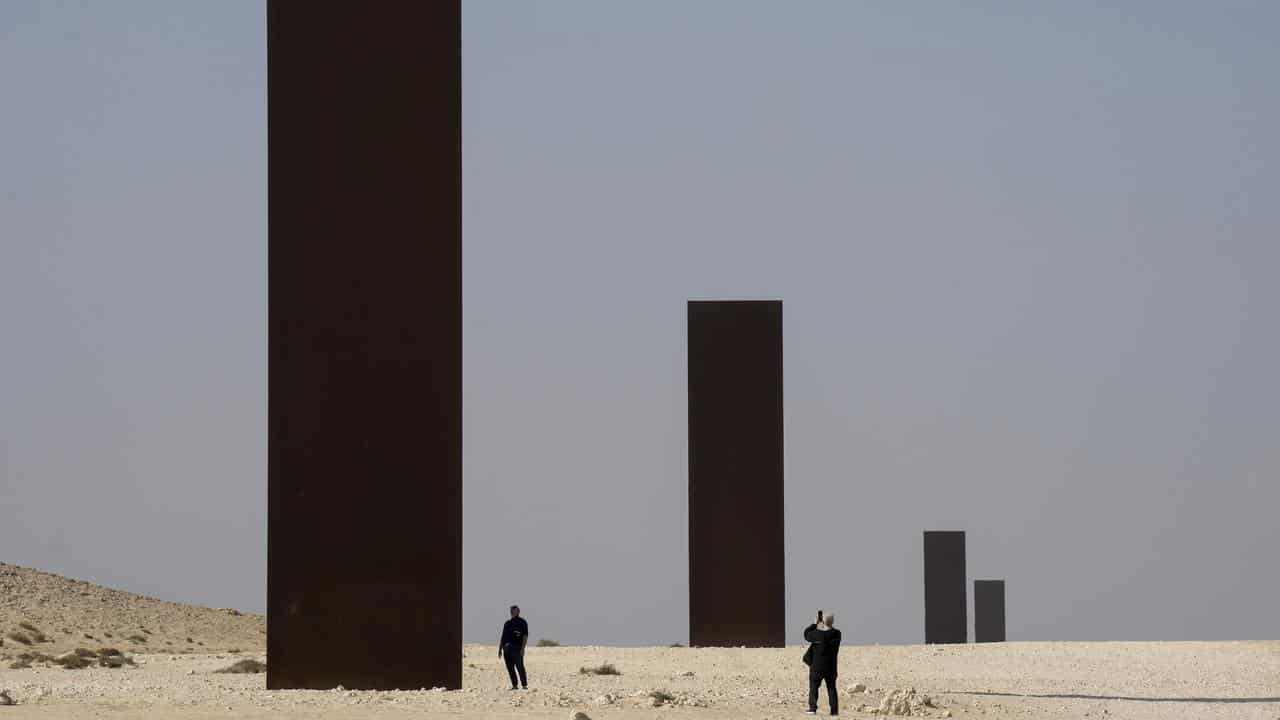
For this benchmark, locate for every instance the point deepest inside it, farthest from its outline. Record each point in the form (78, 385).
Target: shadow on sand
(1077, 696)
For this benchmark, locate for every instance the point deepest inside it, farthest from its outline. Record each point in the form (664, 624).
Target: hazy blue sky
(1028, 254)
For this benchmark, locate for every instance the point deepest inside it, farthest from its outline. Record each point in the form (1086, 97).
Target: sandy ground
(177, 649)
(1014, 680)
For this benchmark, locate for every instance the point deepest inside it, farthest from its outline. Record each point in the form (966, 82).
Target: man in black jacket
(824, 652)
(515, 633)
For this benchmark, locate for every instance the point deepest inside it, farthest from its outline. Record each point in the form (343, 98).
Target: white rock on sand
(905, 702)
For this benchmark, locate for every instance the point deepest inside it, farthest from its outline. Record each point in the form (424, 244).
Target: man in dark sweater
(515, 633)
(824, 652)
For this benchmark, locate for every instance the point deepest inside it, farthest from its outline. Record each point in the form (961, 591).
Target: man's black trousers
(514, 655)
(816, 678)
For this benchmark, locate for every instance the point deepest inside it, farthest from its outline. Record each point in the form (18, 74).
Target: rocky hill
(52, 614)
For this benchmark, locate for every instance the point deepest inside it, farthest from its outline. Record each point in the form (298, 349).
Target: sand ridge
(70, 614)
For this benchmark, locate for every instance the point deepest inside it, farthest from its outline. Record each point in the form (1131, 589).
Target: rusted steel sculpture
(737, 593)
(988, 611)
(365, 345)
(946, 618)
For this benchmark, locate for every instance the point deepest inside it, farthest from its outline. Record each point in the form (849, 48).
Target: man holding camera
(821, 657)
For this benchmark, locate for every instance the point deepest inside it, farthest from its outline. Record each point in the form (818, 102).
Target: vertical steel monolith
(988, 611)
(737, 592)
(945, 616)
(364, 540)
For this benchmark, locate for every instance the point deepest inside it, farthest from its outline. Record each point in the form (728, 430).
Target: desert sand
(174, 678)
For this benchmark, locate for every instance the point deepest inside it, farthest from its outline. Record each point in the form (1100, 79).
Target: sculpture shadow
(1079, 696)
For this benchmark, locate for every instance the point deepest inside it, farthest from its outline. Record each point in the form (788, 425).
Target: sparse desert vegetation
(18, 638)
(247, 665)
(548, 642)
(602, 669)
(113, 658)
(31, 657)
(661, 697)
(77, 659)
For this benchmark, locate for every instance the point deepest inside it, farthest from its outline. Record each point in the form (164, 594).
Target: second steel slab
(946, 619)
